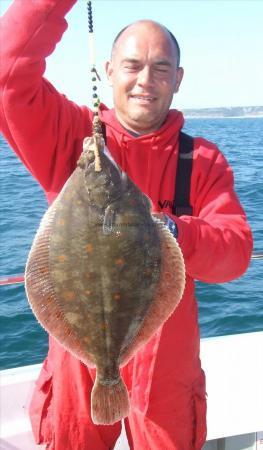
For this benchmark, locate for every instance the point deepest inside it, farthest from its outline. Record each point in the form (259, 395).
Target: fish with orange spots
(115, 273)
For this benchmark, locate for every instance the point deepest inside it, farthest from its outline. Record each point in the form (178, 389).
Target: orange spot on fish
(103, 326)
(168, 275)
(69, 295)
(88, 292)
(119, 262)
(48, 300)
(147, 271)
(89, 248)
(117, 296)
(61, 222)
(62, 258)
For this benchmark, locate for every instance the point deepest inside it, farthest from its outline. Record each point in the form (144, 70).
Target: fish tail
(109, 401)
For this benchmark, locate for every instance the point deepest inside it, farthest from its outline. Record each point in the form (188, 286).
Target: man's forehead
(144, 34)
(137, 29)
(147, 24)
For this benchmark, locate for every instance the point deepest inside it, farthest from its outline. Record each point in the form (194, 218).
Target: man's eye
(161, 69)
(131, 67)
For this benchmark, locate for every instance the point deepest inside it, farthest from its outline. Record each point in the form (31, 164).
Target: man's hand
(168, 222)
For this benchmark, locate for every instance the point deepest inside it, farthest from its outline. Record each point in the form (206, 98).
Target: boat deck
(233, 367)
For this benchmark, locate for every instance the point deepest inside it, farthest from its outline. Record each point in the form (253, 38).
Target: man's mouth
(143, 98)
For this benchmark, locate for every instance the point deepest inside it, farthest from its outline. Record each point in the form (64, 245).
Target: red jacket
(46, 131)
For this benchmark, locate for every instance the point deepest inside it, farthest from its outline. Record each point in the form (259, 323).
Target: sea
(226, 308)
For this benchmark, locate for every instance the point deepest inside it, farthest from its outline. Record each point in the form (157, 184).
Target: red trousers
(168, 405)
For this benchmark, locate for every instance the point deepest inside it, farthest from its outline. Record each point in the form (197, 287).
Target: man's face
(144, 75)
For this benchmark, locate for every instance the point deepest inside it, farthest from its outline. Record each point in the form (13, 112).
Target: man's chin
(139, 122)
(142, 121)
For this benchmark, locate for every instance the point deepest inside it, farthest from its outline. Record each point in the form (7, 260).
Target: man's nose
(145, 77)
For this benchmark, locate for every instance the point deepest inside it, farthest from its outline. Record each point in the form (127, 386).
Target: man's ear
(109, 71)
(179, 77)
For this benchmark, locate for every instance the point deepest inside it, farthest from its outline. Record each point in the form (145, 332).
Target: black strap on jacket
(103, 129)
(181, 202)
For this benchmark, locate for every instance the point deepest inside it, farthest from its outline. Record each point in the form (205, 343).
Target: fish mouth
(110, 158)
(125, 182)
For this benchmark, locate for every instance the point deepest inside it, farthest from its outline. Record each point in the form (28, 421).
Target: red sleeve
(216, 241)
(43, 127)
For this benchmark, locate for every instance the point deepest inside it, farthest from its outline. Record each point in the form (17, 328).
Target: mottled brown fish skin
(104, 261)
(103, 275)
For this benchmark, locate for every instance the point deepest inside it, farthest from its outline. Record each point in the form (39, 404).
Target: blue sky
(221, 43)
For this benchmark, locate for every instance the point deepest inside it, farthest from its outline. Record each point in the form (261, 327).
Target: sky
(221, 44)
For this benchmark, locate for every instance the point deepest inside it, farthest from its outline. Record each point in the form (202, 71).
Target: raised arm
(216, 241)
(43, 127)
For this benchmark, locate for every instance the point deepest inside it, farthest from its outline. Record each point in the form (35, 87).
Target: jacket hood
(149, 160)
(174, 117)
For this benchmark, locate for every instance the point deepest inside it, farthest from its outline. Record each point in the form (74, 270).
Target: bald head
(144, 73)
(151, 25)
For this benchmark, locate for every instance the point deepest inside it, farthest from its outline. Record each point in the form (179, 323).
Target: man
(165, 380)
(144, 74)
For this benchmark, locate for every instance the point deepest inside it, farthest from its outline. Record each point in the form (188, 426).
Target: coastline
(224, 112)
(222, 117)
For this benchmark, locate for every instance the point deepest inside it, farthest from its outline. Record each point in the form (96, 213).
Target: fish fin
(41, 294)
(109, 402)
(108, 222)
(168, 294)
(108, 154)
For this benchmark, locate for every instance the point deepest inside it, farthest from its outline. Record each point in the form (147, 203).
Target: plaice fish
(103, 274)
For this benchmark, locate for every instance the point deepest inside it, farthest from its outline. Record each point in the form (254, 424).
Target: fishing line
(96, 129)
(94, 74)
